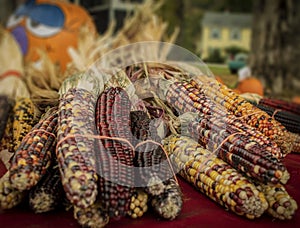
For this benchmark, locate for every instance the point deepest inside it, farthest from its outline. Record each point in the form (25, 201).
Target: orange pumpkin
(296, 99)
(251, 85)
(49, 25)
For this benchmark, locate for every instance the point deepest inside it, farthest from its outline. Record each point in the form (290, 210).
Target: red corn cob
(115, 156)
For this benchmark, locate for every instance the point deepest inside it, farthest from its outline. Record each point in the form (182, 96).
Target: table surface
(198, 210)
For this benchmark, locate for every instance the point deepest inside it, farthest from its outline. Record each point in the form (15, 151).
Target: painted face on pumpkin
(49, 25)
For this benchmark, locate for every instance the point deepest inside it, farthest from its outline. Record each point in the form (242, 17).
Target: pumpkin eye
(41, 30)
(14, 20)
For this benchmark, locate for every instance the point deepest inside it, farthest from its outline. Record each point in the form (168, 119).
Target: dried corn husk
(11, 60)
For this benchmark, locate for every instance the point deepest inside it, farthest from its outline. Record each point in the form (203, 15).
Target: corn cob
(35, 153)
(115, 157)
(5, 109)
(48, 194)
(215, 178)
(23, 121)
(75, 152)
(296, 145)
(241, 146)
(7, 136)
(191, 100)
(289, 120)
(139, 204)
(9, 196)
(169, 203)
(150, 160)
(93, 216)
(281, 205)
(245, 110)
(281, 104)
(238, 150)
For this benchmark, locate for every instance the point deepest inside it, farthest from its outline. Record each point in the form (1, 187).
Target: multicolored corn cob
(35, 153)
(93, 216)
(168, 204)
(115, 155)
(280, 104)
(9, 196)
(281, 205)
(288, 119)
(214, 177)
(5, 108)
(184, 97)
(139, 204)
(243, 109)
(241, 146)
(48, 194)
(75, 148)
(23, 121)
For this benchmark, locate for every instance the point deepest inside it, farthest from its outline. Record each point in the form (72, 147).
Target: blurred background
(236, 39)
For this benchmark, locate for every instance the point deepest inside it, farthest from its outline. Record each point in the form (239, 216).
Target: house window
(215, 33)
(235, 34)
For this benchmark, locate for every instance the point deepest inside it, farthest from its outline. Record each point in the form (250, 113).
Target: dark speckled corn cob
(115, 157)
(35, 153)
(5, 109)
(48, 194)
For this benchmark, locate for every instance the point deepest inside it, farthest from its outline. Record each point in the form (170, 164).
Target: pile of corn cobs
(106, 157)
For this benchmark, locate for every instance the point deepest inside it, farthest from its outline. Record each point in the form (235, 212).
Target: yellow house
(221, 30)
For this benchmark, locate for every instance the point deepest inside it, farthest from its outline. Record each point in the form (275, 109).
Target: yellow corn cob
(281, 204)
(138, 205)
(23, 121)
(215, 178)
(9, 196)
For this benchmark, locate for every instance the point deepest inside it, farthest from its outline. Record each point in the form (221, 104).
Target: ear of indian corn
(93, 216)
(280, 104)
(214, 177)
(75, 149)
(281, 205)
(138, 204)
(115, 155)
(241, 146)
(168, 204)
(243, 109)
(184, 97)
(23, 121)
(152, 166)
(48, 194)
(9, 196)
(35, 153)
(5, 109)
(290, 120)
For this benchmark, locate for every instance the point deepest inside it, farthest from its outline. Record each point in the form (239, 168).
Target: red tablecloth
(198, 211)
